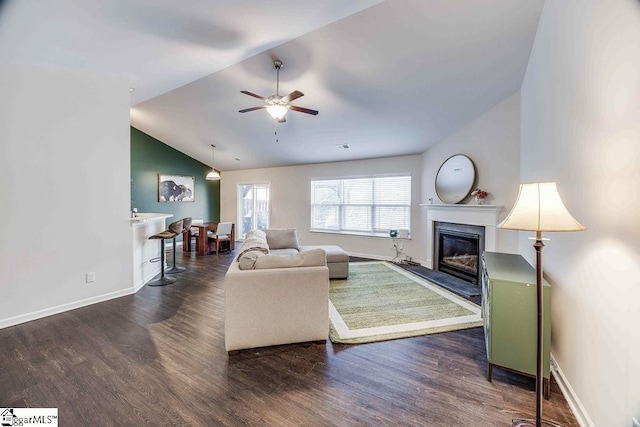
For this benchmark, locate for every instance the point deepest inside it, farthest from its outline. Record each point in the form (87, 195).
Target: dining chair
(194, 231)
(222, 234)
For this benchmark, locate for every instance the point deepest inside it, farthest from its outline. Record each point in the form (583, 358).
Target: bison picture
(176, 189)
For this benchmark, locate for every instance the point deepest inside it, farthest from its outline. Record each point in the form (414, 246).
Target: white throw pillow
(281, 238)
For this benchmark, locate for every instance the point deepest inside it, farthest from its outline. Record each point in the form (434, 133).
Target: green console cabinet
(509, 311)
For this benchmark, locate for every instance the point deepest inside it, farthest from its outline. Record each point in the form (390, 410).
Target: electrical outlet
(91, 277)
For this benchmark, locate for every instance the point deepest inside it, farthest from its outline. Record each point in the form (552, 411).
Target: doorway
(253, 207)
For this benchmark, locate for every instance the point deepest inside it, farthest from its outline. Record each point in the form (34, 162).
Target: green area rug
(380, 301)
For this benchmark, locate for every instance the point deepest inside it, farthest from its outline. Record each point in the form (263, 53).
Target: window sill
(355, 233)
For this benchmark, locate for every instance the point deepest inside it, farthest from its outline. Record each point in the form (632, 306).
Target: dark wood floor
(158, 358)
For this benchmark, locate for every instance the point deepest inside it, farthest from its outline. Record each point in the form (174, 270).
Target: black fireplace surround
(457, 250)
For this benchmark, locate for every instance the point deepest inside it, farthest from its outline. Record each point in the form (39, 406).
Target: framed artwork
(176, 188)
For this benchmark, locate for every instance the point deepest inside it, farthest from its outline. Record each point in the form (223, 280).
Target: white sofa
(284, 241)
(275, 299)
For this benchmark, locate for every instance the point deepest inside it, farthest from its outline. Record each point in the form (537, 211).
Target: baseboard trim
(379, 257)
(570, 395)
(35, 315)
(360, 255)
(146, 280)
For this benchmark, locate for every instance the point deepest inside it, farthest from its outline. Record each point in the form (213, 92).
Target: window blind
(372, 205)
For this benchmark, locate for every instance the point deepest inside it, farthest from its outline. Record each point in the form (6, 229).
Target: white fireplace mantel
(482, 215)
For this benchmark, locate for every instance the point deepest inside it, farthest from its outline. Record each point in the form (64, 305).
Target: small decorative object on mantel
(479, 195)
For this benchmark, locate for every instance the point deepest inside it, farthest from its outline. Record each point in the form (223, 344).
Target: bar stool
(186, 225)
(174, 229)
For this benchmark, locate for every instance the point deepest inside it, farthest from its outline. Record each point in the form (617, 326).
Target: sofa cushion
(280, 238)
(312, 258)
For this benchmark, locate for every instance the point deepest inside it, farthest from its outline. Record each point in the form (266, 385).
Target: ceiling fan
(278, 105)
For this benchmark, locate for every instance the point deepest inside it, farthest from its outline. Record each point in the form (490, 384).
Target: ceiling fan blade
(246, 92)
(282, 120)
(303, 110)
(246, 110)
(293, 95)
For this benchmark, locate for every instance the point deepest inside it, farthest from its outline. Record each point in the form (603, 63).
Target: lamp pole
(539, 285)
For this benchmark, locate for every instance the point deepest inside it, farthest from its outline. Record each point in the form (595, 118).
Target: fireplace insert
(457, 250)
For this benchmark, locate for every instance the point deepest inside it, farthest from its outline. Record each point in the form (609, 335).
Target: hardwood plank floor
(158, 358)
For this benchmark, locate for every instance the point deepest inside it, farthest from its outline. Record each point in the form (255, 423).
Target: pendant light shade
(214, 175)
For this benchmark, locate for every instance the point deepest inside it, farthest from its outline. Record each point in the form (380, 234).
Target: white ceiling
(389, 78)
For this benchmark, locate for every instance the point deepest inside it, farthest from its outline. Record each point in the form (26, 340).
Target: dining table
(202, 244)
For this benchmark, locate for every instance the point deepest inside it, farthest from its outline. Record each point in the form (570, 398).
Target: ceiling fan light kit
(277, 111)
(276, 105)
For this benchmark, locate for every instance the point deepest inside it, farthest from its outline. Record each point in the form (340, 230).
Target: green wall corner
(150, 157)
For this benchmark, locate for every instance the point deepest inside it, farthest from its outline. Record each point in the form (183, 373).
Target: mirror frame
(464, 187)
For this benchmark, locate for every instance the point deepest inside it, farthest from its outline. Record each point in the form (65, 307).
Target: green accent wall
(150, 157)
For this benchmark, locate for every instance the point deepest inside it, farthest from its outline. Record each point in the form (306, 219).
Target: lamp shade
(214, 175)
(540, 208)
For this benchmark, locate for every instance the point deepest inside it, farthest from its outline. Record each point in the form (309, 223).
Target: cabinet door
(514, 325)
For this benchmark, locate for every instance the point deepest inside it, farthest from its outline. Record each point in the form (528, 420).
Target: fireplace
(457, 250)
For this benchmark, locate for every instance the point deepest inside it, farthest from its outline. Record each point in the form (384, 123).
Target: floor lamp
(539, 208)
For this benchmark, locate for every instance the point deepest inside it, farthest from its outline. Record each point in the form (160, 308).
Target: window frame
(340, 206)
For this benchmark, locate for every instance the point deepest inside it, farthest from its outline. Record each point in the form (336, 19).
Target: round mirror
(455, 179)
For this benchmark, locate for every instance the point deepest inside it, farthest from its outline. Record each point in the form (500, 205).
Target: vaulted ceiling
(389, 77)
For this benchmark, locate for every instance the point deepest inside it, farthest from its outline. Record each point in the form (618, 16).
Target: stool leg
(162, 280)
(174, 269)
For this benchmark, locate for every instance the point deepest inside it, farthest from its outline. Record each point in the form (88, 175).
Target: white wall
(492, 142)
(64, 168)
(291, 200)
(581, 127)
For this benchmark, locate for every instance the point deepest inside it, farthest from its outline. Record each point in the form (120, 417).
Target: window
(253, 207)
(372, 205)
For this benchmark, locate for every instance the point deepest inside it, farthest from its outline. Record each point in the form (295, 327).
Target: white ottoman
(337, 260)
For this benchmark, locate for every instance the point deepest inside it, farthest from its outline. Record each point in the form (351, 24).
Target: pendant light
(214, 175)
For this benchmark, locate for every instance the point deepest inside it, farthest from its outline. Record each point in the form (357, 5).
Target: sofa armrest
(275, 306)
